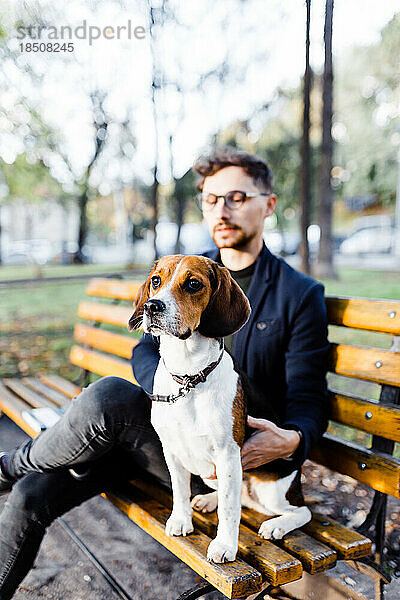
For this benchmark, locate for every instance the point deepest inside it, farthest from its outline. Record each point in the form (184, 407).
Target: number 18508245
(46, 47)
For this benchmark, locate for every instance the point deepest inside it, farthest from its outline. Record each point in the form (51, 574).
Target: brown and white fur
(202, 432)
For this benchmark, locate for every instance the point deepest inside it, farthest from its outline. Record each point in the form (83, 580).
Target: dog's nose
(154, 306)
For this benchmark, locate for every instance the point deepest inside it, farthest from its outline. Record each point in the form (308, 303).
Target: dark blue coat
(283, 347)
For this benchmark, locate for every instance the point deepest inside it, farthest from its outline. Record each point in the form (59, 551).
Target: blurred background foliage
(366, 131)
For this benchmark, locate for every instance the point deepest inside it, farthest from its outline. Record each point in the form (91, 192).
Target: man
(283, 349)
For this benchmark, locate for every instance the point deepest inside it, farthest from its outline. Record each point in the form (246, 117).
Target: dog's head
(187, 293)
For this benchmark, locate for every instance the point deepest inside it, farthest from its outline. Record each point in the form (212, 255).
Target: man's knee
(107, 400)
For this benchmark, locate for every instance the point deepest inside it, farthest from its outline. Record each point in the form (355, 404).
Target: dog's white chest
(199, 424)
(185, 432)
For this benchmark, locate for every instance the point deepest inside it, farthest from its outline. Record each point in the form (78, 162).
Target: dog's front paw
(205, 502)
(269, 530)
(179, 525)
(220, 552)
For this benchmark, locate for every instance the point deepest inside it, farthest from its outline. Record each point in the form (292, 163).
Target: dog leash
(188, 382)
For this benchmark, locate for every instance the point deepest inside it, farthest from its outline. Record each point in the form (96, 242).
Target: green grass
(31, 271)
(364, 284)
(37, 304)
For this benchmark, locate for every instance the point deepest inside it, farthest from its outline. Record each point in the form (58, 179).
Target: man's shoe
(5, 482)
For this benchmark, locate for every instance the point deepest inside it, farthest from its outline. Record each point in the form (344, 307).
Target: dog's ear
(141, 298)
(228, 308)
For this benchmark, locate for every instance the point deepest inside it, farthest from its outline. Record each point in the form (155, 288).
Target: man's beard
(238, 243)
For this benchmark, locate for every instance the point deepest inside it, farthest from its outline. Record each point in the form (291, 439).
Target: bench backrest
(106, 351)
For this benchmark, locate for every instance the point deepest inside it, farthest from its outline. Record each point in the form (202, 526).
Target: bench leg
(377, 517)
(201, 589)
(379, 546)
(204, 588)
(266, 590)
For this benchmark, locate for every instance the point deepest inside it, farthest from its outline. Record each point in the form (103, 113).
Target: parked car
(368, 221)
(372, 240)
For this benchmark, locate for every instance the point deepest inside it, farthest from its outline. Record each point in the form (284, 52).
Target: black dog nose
(154, 306)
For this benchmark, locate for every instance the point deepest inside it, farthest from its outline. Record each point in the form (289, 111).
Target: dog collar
(188, 382)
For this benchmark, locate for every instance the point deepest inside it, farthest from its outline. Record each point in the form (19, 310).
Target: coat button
(261, 325)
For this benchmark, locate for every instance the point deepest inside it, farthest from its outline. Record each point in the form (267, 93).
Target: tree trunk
(180, 201)
(325, 266)
(100, 125)
(305, 184)
(396, 246)
(154, 205)
(83, 226)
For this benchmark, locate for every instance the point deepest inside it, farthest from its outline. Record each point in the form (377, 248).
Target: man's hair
(228, 156)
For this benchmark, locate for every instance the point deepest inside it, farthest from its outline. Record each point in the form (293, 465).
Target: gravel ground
(145, 569)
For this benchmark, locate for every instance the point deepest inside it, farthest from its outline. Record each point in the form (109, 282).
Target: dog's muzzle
(154, 316)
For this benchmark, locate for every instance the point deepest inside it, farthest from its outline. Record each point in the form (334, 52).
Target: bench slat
(41, 388)
(360, 313)
(348, 544)
(378, 419)
(105, 313)
(232, 579)
(12, 406)
(373, 364)
(378, 470)
(275, 564)
(119, 345)
(315, 556)
(32, 398)
(101, 363)
(61, 385)
(113, 288)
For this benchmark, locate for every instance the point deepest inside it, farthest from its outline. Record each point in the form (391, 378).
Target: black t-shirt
(243, 279)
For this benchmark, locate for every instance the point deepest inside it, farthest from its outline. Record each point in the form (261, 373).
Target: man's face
(236, 228)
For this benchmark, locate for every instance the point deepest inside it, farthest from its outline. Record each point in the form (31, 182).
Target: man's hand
(267, 443)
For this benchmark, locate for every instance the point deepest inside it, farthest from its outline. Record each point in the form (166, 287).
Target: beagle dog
(199, 404)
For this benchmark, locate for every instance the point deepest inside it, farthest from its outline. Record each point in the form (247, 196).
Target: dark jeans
(107, 427)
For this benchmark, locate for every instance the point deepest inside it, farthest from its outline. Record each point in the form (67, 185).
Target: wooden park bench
(261, 565)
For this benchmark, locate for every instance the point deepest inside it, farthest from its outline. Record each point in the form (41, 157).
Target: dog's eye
(194, 285)
(155, 281)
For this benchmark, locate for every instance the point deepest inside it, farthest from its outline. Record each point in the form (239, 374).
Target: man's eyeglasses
(233, 200)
